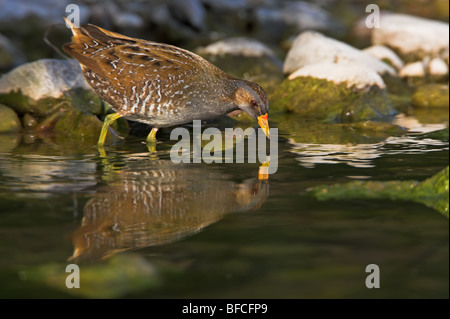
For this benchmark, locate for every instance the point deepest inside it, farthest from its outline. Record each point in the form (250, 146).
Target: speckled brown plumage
(159, 84)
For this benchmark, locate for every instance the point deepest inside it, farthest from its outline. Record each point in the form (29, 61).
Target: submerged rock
(412, 36)
(312, 47)
(431, 96)
(433, 192)
(9, 121)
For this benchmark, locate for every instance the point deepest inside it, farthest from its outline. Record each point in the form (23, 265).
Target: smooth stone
(39, 87)
(352, 74)
(312, 47)
(415, 69)
(382, 52)
(44, 78)
(410, 35)
(237, 46)
(9, 121)
(438, 67)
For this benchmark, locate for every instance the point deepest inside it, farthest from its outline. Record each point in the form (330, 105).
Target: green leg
(151, 140)
(109, 119)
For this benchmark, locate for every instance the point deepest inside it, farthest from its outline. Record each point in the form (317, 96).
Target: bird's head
(251, 98)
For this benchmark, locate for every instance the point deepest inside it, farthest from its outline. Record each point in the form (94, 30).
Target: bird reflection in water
(160, 204)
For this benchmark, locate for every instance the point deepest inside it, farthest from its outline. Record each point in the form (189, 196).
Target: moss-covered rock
(9, 121)
(82, 127)
(431, 96)
(433, 192)
(324, 100)
(118, 276)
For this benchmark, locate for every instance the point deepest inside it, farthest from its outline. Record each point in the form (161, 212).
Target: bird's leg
(109, 119)
(151, 140)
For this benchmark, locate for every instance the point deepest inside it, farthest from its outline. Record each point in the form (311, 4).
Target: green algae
(326, 101)
(433, 192)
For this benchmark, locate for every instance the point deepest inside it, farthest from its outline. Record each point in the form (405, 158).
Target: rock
(431, 96)
(77, 126)
(34, 87)
(312, 47)
(412, 36)
(9, 121)
(44, 78)
(299, 15)
(237, 46)
(245, 58)
(437, 67)
(351, 74)
(190, 12)
(386, 55)
(433, 192)
(319, 99)
(29, 122)
(415, 69)
(10, 56)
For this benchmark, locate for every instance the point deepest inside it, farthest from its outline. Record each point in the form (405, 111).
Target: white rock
(437, 66)
(384, 53)
(313, 47)
(304, 15)
(44, 78)
(415, 69)
(237, 46)
(353, 74)
(408, 34)
(128, 20)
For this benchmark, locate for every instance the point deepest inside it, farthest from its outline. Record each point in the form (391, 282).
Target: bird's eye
(254, 104)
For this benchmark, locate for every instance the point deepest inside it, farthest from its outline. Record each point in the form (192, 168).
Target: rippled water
(219, 230)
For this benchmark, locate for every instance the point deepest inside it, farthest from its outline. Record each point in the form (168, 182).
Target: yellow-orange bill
(263, 121)
(263, 173)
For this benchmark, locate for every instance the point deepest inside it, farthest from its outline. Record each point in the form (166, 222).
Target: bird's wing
(144, 69)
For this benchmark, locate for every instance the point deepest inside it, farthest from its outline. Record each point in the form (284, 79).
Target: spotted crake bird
(159, 84)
